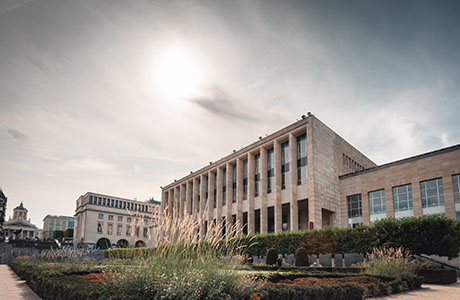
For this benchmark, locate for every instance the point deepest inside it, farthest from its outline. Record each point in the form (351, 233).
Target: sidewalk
(429, 292)
(12, 287)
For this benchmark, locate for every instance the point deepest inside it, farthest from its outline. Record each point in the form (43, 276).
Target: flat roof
(403, 161)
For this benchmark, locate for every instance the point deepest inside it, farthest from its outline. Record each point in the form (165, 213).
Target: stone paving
(429, 292)
(12, 287)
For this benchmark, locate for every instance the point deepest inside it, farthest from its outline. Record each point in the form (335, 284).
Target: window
(51, 228)
(377, 205)
(120, 219)
(103, 201)
(245, 179)
(90, 199)
(58, 222)
(284, 165)
(199, 195)
(206, 188)
(145, 233)
(456, 186)
(355, 211)
(124, 204)
(191, 198)
(224, 186)
(302, 159)
(128, 230)
(137, 231)
(146, 222)
(100, 216)
(119, 229)
(52, 221)
(270, 171)
(215, 191)
(402, 201)
(109, 228)
(128, 219)
(110, 217)
(99, 227)
(99, 200)
(257, 175)
(432, 197)
(234, 183)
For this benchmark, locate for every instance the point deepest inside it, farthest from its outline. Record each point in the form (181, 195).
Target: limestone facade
(103, 220)
(288, 180)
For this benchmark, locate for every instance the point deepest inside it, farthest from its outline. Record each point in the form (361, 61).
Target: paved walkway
(429, 292)
(12, 287)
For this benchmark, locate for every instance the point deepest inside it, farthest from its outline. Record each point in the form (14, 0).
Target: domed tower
(20, 212)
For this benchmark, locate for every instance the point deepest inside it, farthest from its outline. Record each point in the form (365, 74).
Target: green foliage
(319, 242)
(272, 255)
(301, 257)
(68, 232)
(391, 262)
(58, 234)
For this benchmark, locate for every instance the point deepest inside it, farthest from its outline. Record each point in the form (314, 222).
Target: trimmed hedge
(438, 276)
(311, 292)
(55, 285)
(431, 235)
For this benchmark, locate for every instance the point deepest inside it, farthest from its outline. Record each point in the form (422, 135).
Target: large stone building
(52, 223)
(102, 220)
(19, 227)
(306, 176)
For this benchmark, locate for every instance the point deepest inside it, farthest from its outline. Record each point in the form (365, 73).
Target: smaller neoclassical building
(306, 176)
(53, 222)
(103, 221)
(19, 227)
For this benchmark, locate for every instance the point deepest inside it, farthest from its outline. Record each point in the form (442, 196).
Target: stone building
(52, 223)
(3, 200)
(305, 176)
(19, 227)
(102, 221)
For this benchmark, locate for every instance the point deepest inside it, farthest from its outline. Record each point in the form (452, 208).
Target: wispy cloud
(16, 134)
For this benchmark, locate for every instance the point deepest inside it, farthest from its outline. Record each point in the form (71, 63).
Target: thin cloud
(16, 134)
(222, 105)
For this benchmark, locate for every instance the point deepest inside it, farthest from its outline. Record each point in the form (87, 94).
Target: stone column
(188, 198)
(416, 198)
(277, 188)
(449, 201)
(228, 194)
(203, 208)
(293, 204)
(176, 202)
(389, 205)
(219, 195)
(164, 199)
(251, 190)
(263, 187)
(239, 192)
(365, 207)
(181, 201)
(195, 198)
(171, 202)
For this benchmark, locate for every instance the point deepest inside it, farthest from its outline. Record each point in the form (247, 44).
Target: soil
(364, 281)
(96, 277)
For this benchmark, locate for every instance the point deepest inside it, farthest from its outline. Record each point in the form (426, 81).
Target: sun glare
(178, 74)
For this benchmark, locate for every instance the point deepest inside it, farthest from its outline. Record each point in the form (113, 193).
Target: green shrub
(272, 255)
(301, 257)
(391, 262)
(311, 292)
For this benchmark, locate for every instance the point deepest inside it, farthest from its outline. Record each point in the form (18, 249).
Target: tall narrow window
(257, 175)
(377, 207)
(109, 229)
(245, 179)
(355, 211)
(402, 201)
(302, 159)
(224, 187)
(191, 198)
(456, 186)
(99, 227)
(284, 165)
(432, 197)
(234, 183)
(199, 195)
(206, 188)
(128, 230)
(215, 190)
(90, 199)
(270, 171)
(119, 229)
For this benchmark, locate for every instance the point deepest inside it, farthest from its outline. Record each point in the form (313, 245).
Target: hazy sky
(122, 97)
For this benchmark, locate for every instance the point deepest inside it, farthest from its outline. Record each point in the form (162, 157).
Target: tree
(58, 234)
(68, 232)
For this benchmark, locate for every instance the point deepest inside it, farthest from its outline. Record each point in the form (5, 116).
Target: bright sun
(178, 74)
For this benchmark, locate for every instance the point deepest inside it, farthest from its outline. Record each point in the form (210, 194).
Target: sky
(122, 97)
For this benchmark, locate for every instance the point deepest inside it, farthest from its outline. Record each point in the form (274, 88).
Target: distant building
(103, 220)
(19, 227)
(3, 200)
(52, 223)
